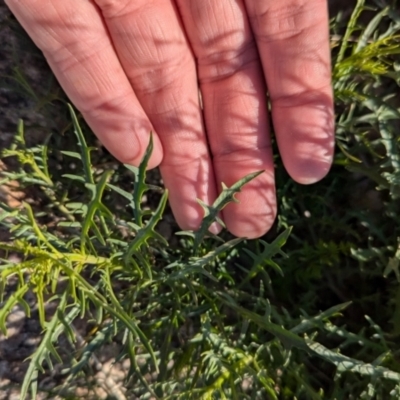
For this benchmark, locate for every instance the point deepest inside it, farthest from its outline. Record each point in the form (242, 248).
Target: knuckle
(66, 56)
(107, 108)
(317, 97)
(221, 65)
(279, 21)
(70, 35)
(115, 8)
(161, 81)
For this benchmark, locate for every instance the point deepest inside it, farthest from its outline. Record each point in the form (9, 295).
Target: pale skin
(136, 66)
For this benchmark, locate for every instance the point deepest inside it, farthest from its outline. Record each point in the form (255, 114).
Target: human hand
(132, 67)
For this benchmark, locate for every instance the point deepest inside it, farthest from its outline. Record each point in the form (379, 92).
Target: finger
(158, 61)
(293, 42)
(235, 108)
(76, 44)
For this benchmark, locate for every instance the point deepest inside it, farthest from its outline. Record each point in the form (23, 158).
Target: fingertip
(253, 216)
(306, 141)
(132, 152)
(309, 171)
(255, 212)
(251, 230)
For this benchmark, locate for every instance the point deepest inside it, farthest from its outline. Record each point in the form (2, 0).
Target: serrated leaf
(95, 205)
(53, 330)
(147, 232)
(197, 264)
(89, 350)
(85, 151)
(312, 322)
(347, 364)
(140, 185)
(265, 256)
(288, 338)
(211, 212)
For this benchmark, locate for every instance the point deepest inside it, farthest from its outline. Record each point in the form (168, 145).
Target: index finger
(78, 48)
(293, 42)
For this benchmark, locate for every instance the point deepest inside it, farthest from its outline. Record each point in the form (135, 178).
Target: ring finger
(235, 108)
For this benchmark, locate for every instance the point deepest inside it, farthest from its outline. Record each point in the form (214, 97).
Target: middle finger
(157, 59)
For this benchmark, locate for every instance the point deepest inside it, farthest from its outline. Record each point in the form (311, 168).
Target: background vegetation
(311, 311)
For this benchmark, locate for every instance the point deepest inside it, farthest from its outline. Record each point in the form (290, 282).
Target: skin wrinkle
(159, 50)
(182, 123)
(71, 58)
(242, 93)
(148, 74)
(71, 25)
(173, 124)
(112, 9)
(229, 55)
(307, 97)
(158, 80)
(237, 134)
(214, 94)
(71, 22)
(92, 78)
(175, 163)
(246, 138)
(163, 78)
(71, 50)
(294, 48)
(310, 65)
(210, 20)
(176, 105)
(114, 105)
(285, 22)
(310, 50)
(246, 135)
(238, 38)
(225, 67)
(246, 153)
(163, 38)
(302, 69)
(230, 41)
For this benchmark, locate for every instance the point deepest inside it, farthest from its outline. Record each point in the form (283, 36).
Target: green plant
(206, 317)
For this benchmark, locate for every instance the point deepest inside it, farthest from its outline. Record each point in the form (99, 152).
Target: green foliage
(87, 246)
(205, 317)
